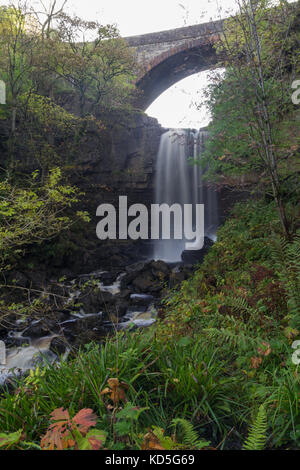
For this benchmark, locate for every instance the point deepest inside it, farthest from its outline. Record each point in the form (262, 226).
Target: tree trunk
(13, 119)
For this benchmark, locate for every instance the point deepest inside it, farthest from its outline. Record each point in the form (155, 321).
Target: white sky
(176, 107)
(145, 16)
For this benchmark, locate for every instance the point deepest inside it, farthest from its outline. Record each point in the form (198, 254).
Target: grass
(222, 350)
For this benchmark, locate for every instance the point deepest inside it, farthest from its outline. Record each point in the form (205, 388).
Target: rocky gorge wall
(123, 155)
(111, 162)
(119, 160)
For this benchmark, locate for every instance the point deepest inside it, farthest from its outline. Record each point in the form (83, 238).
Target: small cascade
(180, 182)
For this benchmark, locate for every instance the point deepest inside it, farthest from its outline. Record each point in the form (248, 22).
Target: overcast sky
(145, 16)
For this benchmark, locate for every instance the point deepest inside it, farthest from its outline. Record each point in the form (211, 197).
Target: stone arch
(166, 57)
(172, 66)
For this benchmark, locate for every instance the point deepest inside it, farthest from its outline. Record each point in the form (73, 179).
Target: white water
(178, 181)
(22, 359)
(141, 319)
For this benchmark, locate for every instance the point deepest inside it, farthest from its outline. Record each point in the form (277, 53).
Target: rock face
(123, 156)
(118, 162)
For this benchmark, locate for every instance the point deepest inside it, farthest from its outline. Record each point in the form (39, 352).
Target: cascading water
(179, 182)
(203, 193)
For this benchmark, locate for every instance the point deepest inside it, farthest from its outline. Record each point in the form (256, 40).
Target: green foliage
(254, 142)
(286, 257)
(33, 213)
(83, 58)
(241, 300)
(258, 433)
(188, 435)
(48, 135)
(10, 440)
(92, 60)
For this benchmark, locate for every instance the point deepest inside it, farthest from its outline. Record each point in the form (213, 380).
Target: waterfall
(177, 181)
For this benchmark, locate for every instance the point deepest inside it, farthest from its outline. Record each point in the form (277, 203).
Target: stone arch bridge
(166, 57)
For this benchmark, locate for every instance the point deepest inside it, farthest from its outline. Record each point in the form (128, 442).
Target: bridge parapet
(178, 34)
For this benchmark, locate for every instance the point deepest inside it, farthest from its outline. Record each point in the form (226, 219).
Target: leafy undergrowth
(215, 372)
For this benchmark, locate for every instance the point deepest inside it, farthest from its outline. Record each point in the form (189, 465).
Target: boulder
(144, 282)
(93, 300)
(197, 256)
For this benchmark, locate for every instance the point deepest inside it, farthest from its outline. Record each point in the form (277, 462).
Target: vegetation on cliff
(220, 369)
(254, 140)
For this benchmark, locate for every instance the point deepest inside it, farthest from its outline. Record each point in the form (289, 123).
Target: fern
(188, 435)
(239, 304)
(257, 437)
(236, 334)
(286, 257)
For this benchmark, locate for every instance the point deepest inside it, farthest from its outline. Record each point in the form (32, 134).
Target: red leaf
(85, 419)
(95, 443)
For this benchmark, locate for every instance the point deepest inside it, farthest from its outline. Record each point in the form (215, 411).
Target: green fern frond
(257, 437)
(236, 333)
(286, 257)
(239, 304)
(188, 435)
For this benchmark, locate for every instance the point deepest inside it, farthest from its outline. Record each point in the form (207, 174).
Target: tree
(254, 98)
(33, 213)
(18, 40)
(47, 16)
(91, 59)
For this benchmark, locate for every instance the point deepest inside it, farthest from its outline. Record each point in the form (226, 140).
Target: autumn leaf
(60, 417)
(255, 362)
(85, 419)
(151, 442)
(57, 436)
(155, 439)
(64, 432)
(265, 350)
(116, 390)
(56, 439)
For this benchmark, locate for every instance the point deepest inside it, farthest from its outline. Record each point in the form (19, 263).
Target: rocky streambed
(84, 309)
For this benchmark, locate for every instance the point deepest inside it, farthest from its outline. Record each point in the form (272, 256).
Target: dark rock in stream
(119, 308)
(59, 345)
(146, 278)
(93, 300)
(160, 267)
(39, 328)
(144, 282)
(108, 278)
(197, 256)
